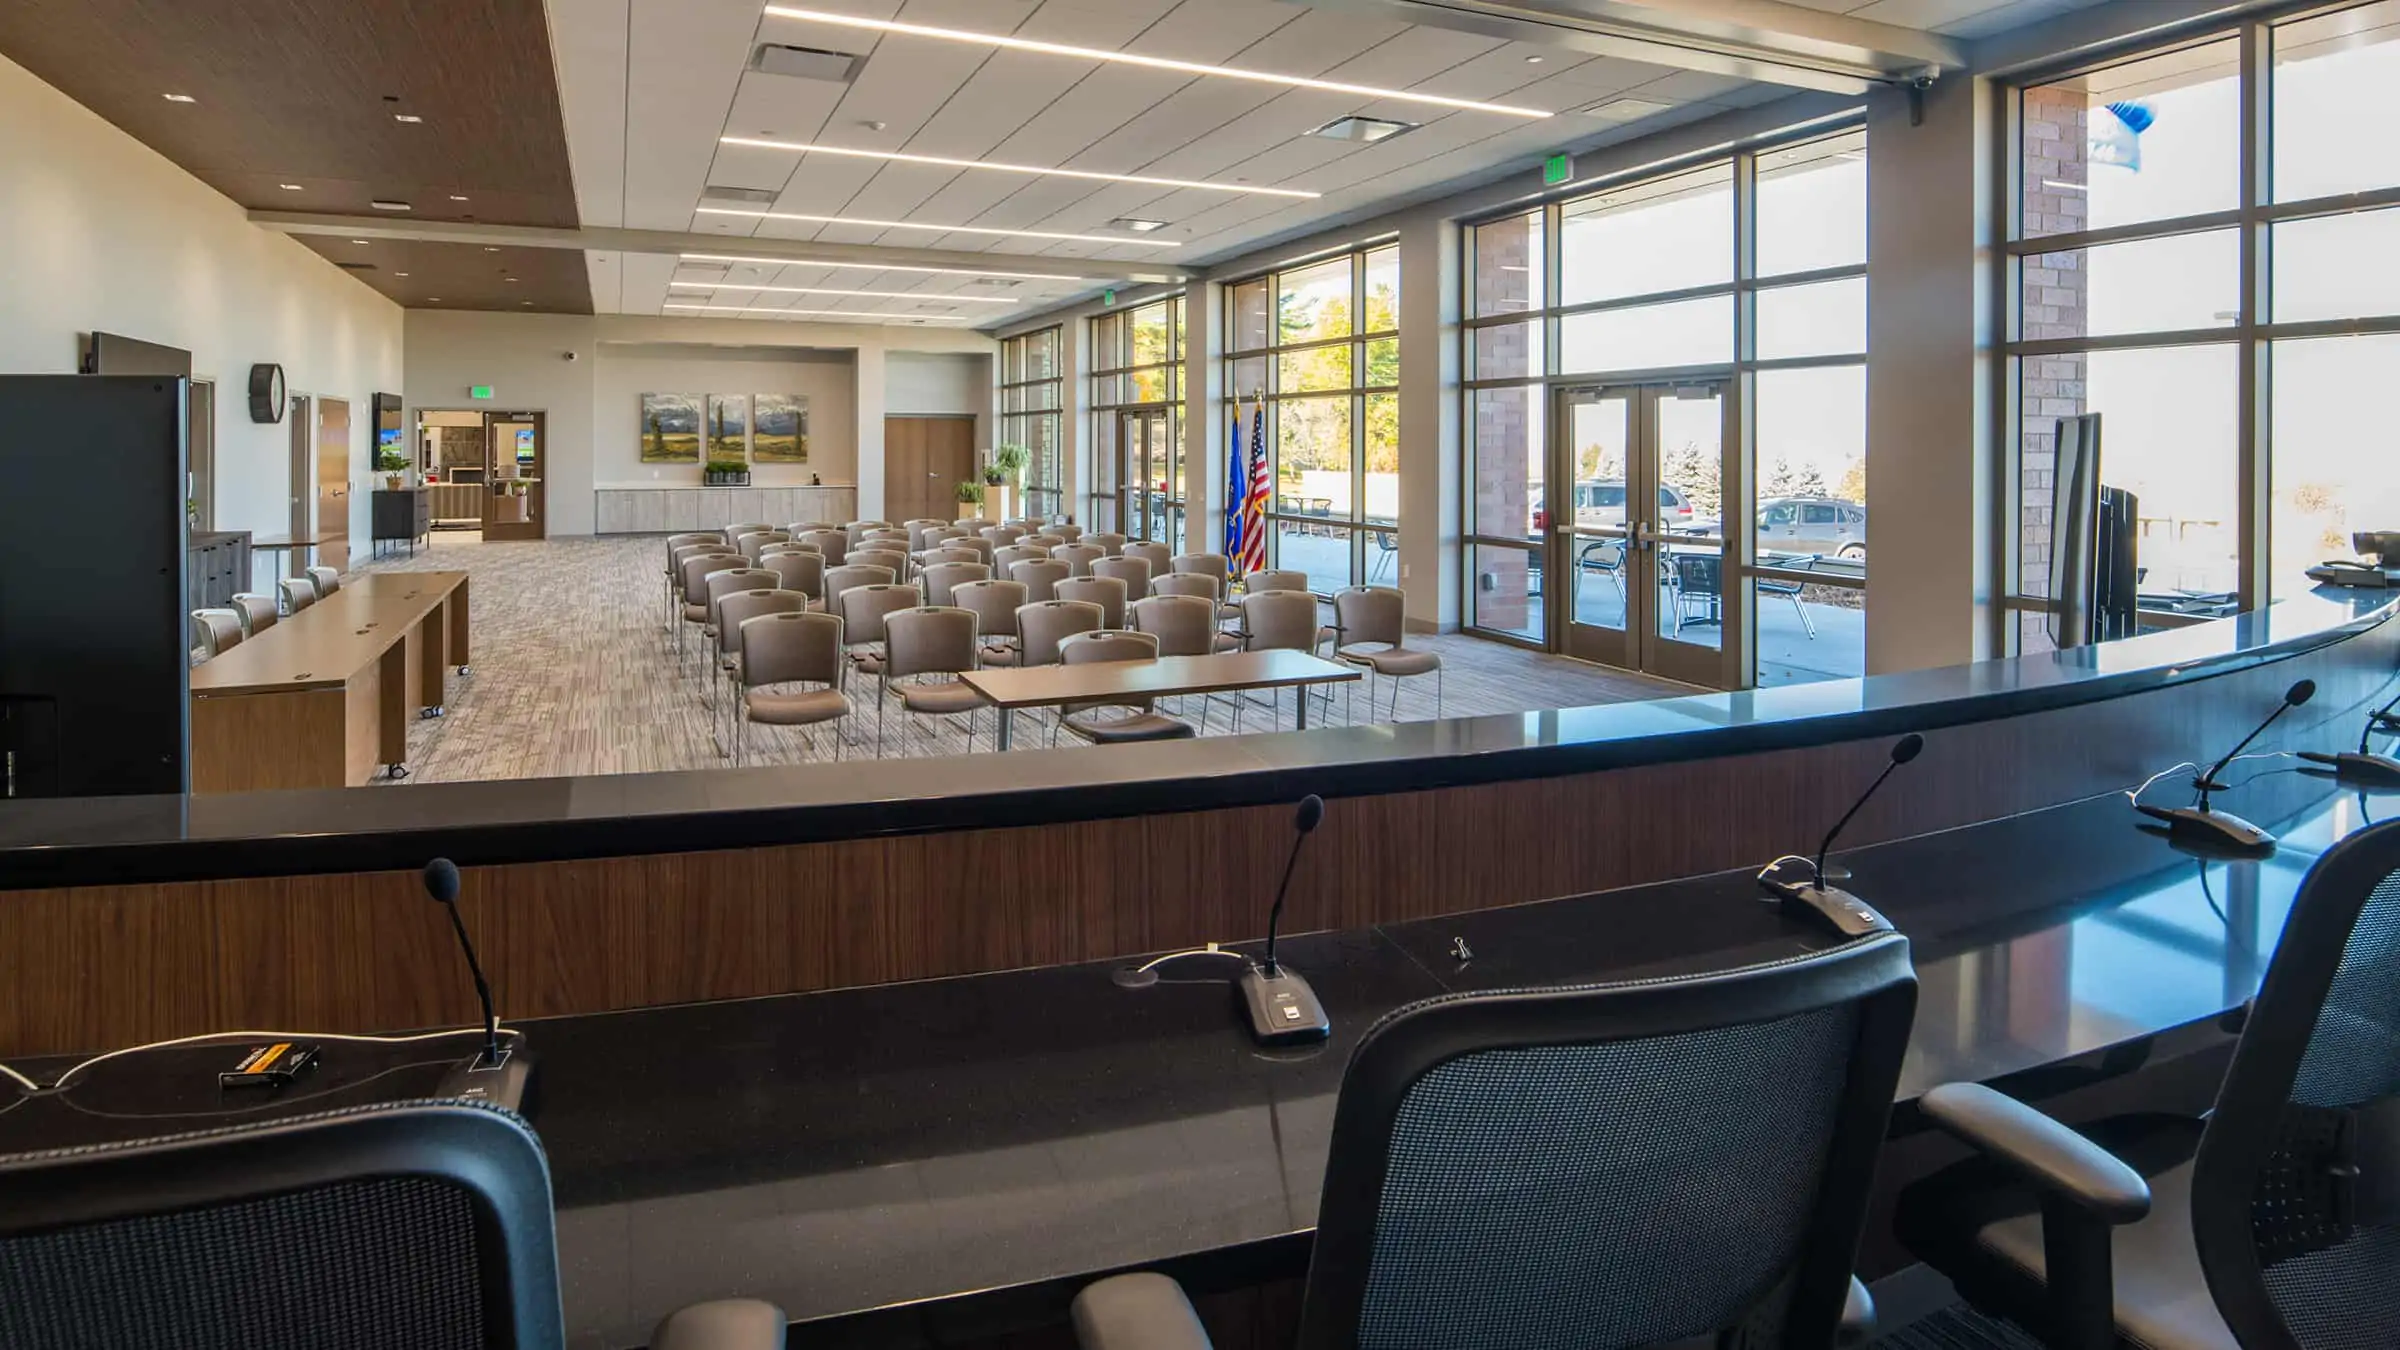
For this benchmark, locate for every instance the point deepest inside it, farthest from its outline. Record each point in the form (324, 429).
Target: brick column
(2055, 287)
(1506, 446)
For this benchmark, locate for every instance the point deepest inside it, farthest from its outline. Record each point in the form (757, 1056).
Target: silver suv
(1813, 525)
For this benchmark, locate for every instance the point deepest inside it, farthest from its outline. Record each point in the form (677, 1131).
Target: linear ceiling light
(937, 229)
(828, 290)
(875, 266)
(1153, 62)
(838, 313)
(803, 147)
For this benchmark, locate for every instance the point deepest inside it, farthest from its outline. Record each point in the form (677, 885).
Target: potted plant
(1000, 470)
(970, 500)
(725, 473)
(393, 462)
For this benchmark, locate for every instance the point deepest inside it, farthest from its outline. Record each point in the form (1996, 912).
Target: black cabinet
(404, 515)
(218, 567)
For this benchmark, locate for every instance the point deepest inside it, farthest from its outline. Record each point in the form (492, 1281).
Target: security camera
(570, 355)
(1924, 78)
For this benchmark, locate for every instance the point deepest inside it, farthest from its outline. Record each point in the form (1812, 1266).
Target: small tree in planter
(970, 500)
(1001, 472)
(393, 463)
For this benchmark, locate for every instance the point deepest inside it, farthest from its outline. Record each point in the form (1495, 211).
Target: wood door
(925, 459)
(333, 482)
(514, 506)
(301, 426)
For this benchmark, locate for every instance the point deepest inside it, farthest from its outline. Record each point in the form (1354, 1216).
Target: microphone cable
(65, 1080)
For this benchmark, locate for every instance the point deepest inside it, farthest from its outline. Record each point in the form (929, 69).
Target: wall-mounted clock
(266, 393)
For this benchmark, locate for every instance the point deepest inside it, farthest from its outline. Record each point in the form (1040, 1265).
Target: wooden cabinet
(217, 564)
(402, 515)
(457, 501)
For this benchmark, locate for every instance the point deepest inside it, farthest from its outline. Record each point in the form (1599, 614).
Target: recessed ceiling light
(1153, 62)
(917, 225)
(491, 248)
(358, 241)
(804, 147)
(181, 98)
(829, 290)
(381, 204)
(456, 198)
(524, 302)
(1535, 60)
(433, 299)
(411, 118)
(1138, 226)
(510, 280)
(878, 266)
(399, 274)
(1626, 109)
(289, 187)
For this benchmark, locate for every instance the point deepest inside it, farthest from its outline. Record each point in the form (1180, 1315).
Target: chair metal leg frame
(1805, 621)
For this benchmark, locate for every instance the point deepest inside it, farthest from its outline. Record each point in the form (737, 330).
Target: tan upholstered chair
(834, 544)
(752, 544)
(732, 534)
(995, 605)
(697, 569)
(1040, 577)
(920, 527)
(928, 641)
(1188, 583)
(949, 555)
(857, 529)
(1001, 536)
(849, 575)
(973, 524)
(867, 554)
(1135, 720)
(215, 632)
(1279, 621)
(1275, 580)
(1106, 592)
(799, 571)
(1009, 555)
(1111, 544)
(298, 593)
(734, 607)
(863, 610)
(717, 586)
(1043, 624)
(1370, 624)
(1186, 625)
(938, 580)
(257, 612)
(327, 580)
(801, 527)
(1044, 541)
(673, 574)
(1210, 565)
(1029, 524)
(1132, 571)
(1070, 533)
(1157, 555)
(890, 536)
(786, 649)
(973, 543)
(1080, 557)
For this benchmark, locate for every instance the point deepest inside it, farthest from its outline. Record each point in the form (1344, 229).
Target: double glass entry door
(1633, 530)
(1150, 499)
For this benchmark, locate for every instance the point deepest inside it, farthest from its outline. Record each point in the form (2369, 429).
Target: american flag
(1254, 501)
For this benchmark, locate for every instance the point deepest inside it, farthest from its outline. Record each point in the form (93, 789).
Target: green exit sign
(1557, 169)
(1108, 297)
(479, 391)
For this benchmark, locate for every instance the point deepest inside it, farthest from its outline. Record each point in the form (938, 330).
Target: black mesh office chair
(1614, 1165)
(415, 1226)
(2270, 1226)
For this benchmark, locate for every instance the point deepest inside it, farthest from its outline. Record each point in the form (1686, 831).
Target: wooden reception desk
(326, 696)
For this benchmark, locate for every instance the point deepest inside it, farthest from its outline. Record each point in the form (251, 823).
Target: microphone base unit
(2210, 828)
(499, 1082)
(1281, 1007)
(2359, 770)
(1848, 915)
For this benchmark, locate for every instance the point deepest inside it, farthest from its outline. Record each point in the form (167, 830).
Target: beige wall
(626, 372)
(100, 232)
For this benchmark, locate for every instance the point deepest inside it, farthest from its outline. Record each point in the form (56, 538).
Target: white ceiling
(649, 86)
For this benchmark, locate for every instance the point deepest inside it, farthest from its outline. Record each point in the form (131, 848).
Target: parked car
(1813, 525)
(1601, 502)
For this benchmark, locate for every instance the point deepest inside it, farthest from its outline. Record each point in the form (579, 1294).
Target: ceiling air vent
(739, 196)
(806, 63)
(1366, 130)
(1003, 282)
(355, 266)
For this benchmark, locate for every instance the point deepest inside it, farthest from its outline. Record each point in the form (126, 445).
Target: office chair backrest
(1602, 1167)
(416, 1223)
(2298, 1238)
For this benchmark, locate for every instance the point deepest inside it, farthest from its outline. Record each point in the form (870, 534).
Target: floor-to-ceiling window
(1698, 337)
(1317, 347)
(1135, 486)
(2201, 252)
(1030, 387)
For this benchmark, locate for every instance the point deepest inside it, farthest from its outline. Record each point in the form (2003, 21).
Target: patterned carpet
(575, 674)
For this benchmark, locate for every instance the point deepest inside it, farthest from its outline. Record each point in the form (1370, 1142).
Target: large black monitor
(2093, 575)
(95, 664)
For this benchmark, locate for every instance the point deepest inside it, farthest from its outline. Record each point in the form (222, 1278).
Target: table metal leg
(1300, 717)
(1006, 718)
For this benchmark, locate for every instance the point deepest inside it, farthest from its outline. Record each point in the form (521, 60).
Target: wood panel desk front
(326, 695)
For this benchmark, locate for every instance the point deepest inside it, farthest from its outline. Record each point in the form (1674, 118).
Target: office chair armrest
(1141, 1311)
(725, 1324)
(2061, 1163)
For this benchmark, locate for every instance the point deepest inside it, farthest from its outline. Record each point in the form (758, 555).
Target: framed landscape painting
(779, 428)
(729, 426)
(670, 428)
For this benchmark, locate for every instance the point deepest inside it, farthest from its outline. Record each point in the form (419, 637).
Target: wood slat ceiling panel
(466, 276)
(295, 91)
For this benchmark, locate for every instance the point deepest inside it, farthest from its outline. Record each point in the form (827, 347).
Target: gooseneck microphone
(1283, 1010)
(494, 1073)
(1849, 915)
(2200, 825)
(2365, 768)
